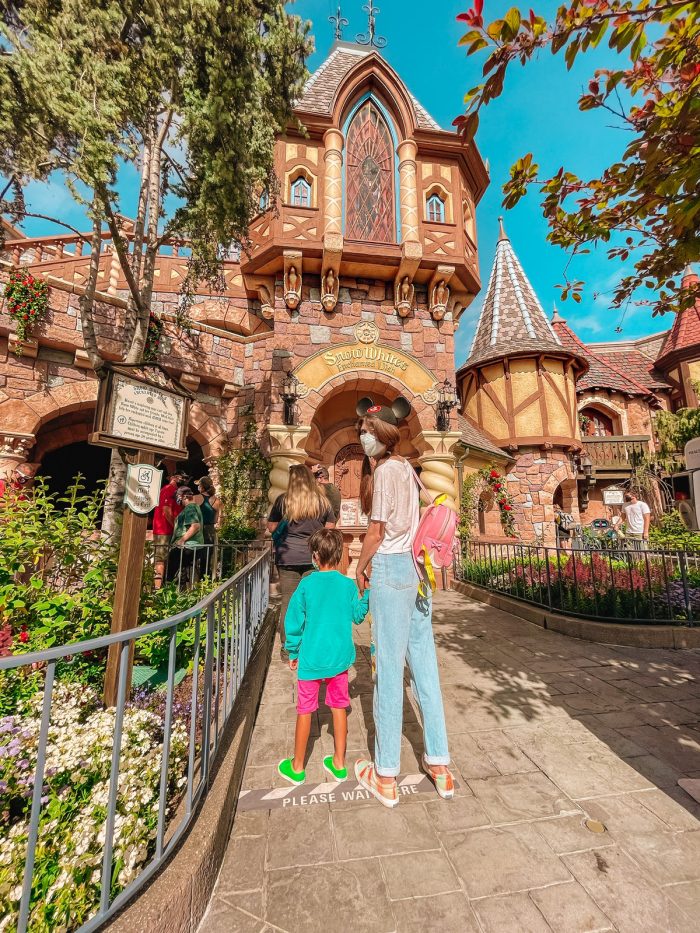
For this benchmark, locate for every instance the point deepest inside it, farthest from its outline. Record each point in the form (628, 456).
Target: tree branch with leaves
(646, 202)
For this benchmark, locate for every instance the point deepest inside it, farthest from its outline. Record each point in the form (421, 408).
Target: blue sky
(537, 112)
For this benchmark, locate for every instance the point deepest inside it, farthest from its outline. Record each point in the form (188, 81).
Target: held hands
(293, 664)
(362, 580)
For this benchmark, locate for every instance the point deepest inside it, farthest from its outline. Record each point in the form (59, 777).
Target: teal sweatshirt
(319, 622)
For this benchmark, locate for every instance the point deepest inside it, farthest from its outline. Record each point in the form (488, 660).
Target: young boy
(318, 626)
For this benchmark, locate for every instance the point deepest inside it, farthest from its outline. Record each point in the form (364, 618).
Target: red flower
(507, 508)
(494, 474)
(23, 636)
(497, 486)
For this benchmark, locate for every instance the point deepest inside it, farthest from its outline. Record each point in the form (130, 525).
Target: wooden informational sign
(613, 495)
(143, 483)
(135, 412)
(351, 514)
(692, 454)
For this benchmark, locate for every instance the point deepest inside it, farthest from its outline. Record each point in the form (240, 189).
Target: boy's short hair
(328, 544)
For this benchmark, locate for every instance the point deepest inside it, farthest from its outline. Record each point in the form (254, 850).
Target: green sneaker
(340, 774)
(289, 774)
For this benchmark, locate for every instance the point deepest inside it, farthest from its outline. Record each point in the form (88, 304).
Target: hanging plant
(27, 300)
(497, 484)
(155, 332)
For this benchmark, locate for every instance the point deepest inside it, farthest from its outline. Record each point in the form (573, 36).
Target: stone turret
(518, 386)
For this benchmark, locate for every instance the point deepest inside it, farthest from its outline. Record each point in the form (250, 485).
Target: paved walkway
(546, 731)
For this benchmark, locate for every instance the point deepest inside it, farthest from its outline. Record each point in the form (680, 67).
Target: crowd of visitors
(184, 529)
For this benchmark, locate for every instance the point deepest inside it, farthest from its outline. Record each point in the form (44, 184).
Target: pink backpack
(434, 543)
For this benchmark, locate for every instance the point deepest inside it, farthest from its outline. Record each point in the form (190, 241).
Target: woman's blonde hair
(386, 434)
(303, 498)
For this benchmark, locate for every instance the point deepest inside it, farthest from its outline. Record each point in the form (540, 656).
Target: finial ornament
(502, 235)
(370, 38)
(338, 21)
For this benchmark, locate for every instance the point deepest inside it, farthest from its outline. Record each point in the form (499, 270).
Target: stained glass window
(436, 209)
(369, 190)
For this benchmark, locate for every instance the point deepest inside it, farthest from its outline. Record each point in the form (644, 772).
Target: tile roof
(512, 319)
(320, 89)
(473, 437)
(685, 332)
(637, 365)
(603, 373)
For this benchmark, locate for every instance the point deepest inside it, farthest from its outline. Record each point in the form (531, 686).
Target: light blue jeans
(402, 631)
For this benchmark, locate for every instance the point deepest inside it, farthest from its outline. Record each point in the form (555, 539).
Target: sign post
(142, 418)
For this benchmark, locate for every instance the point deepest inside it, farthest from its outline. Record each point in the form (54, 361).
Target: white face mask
(371, 446)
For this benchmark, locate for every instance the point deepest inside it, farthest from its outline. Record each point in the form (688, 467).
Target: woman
(210, 507)
(188, 535)
(295, 516)
(401, 617)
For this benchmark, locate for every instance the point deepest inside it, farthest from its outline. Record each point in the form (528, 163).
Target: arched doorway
(333, 441)
(63, 451)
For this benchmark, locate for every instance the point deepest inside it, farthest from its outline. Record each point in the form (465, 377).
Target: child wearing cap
(318, 628)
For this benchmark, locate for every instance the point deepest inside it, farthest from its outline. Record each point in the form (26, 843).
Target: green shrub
(670, 533)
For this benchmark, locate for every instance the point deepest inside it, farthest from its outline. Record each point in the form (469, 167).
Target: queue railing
(215, 639)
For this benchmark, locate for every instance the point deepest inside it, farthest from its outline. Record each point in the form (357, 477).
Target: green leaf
(512, 17)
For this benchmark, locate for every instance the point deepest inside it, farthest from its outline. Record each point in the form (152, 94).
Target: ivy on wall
(493, 483)
(244, 479)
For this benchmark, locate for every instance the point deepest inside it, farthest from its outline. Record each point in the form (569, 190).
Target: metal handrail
(609, 585)
(227, 624)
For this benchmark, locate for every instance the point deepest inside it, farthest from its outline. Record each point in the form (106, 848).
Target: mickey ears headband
(391, 414)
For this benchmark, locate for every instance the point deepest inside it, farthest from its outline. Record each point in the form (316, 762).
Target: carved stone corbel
(330, 275)
(439, 292)
(404, 290)
(267, 302)
(292, 278)
(404, 296)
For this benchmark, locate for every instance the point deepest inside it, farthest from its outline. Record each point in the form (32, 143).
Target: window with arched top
(436, 209)
(300, 192)
(369, 178)
(264, 201)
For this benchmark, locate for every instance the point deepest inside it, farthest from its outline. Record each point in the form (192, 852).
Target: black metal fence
(652, 587)
(187, 566)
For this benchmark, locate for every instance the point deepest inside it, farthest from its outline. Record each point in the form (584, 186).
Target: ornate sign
(134, 412)
(143, 483)
(369, 355)
(614, 495)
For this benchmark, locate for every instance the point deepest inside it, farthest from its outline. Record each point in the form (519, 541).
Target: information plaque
(134, 412)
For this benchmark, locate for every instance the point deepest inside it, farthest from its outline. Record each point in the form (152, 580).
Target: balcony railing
(616, 453)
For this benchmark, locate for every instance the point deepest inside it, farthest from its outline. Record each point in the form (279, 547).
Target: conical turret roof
(684, 336)
(512, 321)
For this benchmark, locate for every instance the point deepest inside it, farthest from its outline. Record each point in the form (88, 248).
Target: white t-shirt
(396, 503)
(635, 512)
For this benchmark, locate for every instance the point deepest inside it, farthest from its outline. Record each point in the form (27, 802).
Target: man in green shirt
(188, 536)
(331, 492)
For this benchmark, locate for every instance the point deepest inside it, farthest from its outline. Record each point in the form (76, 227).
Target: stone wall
(532, 482)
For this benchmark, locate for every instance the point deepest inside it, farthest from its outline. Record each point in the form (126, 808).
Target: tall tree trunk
(114, 498)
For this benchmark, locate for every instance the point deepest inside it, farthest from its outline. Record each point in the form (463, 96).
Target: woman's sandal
(366, 774)
(444, 782)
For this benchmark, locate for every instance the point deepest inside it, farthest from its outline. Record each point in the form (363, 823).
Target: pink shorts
(337, 696)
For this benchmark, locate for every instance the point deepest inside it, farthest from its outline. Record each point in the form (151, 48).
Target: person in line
(331, 492)
(638, 519)
(187, 539)
(319, 624)
(401, 615)
(164, 517)
(210, 507)
(295, 515)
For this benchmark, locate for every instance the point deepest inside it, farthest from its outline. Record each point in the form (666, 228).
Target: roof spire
(688, 273)
(502, 235)
(338, 21)
(369, 37)
(556, 317)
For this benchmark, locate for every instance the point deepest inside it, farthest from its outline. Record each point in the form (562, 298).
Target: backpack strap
(421, 484)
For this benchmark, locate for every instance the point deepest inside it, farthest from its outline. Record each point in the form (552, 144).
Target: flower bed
(595, 584)
(67, 873)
